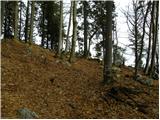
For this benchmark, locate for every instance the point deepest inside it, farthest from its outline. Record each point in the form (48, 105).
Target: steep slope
(33, 78)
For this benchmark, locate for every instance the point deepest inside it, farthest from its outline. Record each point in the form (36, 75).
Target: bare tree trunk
(32, 22)
(26, 22)
(43, 19)
(155, 35)
(2, 14)
(20, 21)
(136, 41)
(60, 43)
(74, 37)
(16, 20)
(108, 44)
(143, 34)
(85, 27)
(149, 44)
(69, 25)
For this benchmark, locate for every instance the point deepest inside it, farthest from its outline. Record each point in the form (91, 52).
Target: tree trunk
(43, 25)
(108, 44)
(20, 21)
(69, 25)
(32, 22)
(136, 42)
(143, 33)
(74, 37)
(155, 35)
(26, 22)
(60, 42)
(2, 14)
(85, 27)
(16, 20)
(149, 45)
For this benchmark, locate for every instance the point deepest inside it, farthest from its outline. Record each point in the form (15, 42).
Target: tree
(9, 21)
(2, 13)
(74, 37)
(136, 21)
(16, 20)
(85, 28)
(108, 44)
(149, 43)
(32, 22)
(155, 34)
(26, 22)
(20, 17)
(69, 25)
(60, 42)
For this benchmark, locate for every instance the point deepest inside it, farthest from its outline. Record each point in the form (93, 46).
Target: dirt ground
(32, 77)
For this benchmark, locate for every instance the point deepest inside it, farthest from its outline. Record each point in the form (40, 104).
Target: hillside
(33, 78)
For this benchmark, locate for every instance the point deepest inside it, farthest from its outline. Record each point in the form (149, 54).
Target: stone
(116, 69)
(149, 82)
(24, 113)
(68, 64)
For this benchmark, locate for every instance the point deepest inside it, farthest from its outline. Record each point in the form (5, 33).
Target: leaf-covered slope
(33, 78)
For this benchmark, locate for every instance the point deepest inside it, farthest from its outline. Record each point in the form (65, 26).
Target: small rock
(58, 61)
(25, 113)
(116, 69)
(68, 64)
(118, 75)
(149, 82)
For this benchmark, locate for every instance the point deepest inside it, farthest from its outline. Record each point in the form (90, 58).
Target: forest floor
(33, 78)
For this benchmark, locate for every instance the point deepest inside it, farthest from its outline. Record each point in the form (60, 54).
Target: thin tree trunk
(136, 44)
(108, 44)
(143, 33)
(85, 27)
(16, 20)
(149, 45)
(32, 23)
(43, 19)
(2, 14)
(74, 37)
(26, 22)
(20, 17)
(60, 46)
(69, 25)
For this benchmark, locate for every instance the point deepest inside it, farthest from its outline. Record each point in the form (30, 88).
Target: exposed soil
(32, 77)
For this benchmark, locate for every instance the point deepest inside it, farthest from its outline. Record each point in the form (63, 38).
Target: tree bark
(85, 28)
(155, 35)
(74, 37)
(20, 21)
(143, 34)
(26, 22)
(136, 41)
(108, 44)
(2, 14)
(149, 44)
(69, 25)
(32, 22)
(43, 24)
(60, 42)
(16, 20)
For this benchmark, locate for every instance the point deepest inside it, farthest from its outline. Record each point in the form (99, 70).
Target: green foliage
(50, 10)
